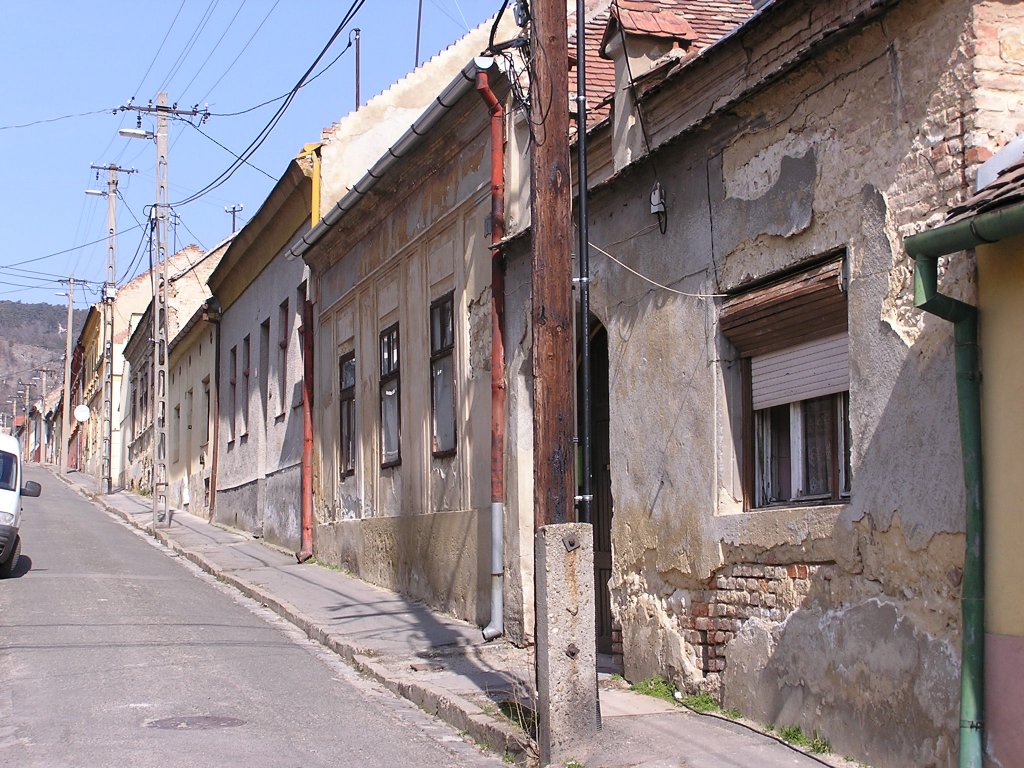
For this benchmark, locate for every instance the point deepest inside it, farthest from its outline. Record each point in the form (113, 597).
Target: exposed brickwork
(734, 595)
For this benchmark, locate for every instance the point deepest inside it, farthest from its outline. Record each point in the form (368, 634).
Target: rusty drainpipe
(306, 541)
(306, 547)
(496, 627)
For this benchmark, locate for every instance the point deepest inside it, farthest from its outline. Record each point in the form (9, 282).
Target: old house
(186, 291)
(100, 438)
(788, 505)
(784, 506)
(259, 296)
(191, 371)
(402, 273)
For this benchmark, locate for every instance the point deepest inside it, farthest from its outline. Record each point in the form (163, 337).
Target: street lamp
(136, 133)
(159, 303)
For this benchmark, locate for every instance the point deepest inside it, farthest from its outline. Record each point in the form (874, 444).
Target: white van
(11, 491)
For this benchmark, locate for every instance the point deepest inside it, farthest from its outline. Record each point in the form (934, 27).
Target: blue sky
(80, 59)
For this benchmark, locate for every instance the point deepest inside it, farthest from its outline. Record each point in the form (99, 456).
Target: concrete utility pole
(109, 294)
(564, 550)
(159, 305)
(233, 210)
(160, 474)
(65, 433)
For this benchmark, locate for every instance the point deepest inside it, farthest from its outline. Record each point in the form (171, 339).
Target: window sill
(807, 525)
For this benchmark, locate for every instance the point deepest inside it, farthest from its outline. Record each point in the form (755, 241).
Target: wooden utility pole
(551, 211)
(568, 714)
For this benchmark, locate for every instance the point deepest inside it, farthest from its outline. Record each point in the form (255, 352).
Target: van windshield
(8, 471)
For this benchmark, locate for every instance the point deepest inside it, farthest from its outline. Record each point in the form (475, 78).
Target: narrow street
(115, 652)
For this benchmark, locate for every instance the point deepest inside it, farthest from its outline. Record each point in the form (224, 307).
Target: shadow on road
(23, 566)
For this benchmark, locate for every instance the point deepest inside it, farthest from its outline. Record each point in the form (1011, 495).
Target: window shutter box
(808, 305)
(811, 369)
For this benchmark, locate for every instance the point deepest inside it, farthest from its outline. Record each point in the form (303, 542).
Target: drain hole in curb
(195, 723)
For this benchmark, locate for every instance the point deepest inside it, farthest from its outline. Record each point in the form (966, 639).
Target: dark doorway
(601, 484)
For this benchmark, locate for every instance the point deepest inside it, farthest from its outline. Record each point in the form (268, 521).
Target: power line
(160, 48)
(216, 45)
(59, 253)
(207, 14)
(56, 119)
(244, 48)
(230, 152)
(284, 95)
(261, 137)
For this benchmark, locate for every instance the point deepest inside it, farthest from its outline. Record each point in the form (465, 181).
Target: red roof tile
(1006, 189)
(697, 24)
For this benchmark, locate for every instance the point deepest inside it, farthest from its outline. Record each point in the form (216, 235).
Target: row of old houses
(779, 499)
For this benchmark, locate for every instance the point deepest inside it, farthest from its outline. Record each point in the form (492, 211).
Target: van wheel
(7, 568)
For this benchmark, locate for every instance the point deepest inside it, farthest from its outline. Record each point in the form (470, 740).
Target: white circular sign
(81, 413)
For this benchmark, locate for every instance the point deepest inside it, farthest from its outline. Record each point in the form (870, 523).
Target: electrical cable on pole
(109, 294)
(159, 304)
(65, 434)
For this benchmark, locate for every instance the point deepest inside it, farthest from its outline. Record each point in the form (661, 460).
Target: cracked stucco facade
(830, 128)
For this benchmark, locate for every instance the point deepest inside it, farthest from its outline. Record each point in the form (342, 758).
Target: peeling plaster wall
(870, 138)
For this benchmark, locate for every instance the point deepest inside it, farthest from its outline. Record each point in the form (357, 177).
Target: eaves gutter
(462, 84)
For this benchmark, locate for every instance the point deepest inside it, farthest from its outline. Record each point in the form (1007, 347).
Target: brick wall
(737, 593)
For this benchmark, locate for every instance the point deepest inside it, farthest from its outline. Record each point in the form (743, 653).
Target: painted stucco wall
(422, 527)
(843, 619)
(190, 404)
(260, 439)
(1001, 302)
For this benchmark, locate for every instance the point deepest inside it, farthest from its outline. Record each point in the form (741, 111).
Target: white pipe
(496, 628)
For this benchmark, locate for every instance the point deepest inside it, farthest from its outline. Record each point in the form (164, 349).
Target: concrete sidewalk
(442, 664)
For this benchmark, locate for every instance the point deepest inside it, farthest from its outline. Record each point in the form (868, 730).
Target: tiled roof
(713, 19)
(642, 17)
(600, 72)
(1006, 189)
(698, 23)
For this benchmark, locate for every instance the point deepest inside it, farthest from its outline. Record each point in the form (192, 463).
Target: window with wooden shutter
(791, 335)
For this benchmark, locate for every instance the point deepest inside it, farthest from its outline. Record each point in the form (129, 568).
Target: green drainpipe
(926, 248)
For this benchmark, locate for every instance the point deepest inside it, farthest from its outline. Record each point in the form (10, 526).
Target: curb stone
(456, 711)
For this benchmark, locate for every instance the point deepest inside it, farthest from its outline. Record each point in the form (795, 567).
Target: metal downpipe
(306, 542)
(968, 389)
(496, 627)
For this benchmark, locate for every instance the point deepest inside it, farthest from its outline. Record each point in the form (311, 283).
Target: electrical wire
(655, 283)
(192, 40)
(213, 49)
(239, 55)
(59, 253)
(135, 258)
(261, 137)
(230, 152)
(284, 95)
(194, 236)
(160, 47)
(57, 119)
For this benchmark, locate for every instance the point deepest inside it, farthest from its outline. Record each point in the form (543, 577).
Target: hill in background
(32, 339)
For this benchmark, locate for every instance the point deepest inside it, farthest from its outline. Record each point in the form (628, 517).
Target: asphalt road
(114, 652)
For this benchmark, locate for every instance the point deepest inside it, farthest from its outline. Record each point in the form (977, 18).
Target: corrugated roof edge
(456, 89)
